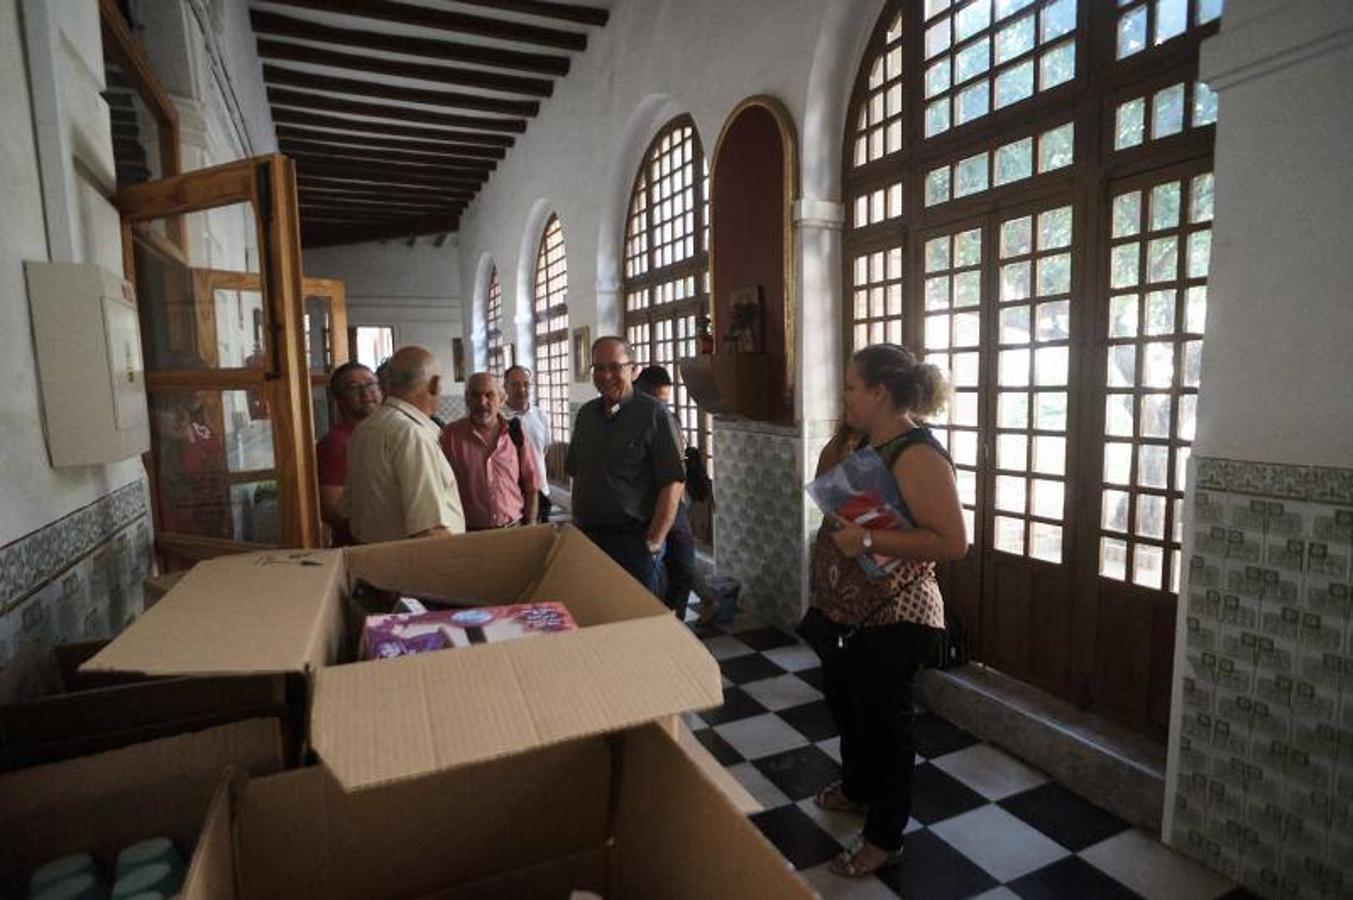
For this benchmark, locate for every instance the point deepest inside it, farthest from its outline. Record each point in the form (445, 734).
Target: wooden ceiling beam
(281, 25)
(287, 51)
(570, 12)
(338, 141)
(284, 115)
(339, 234)
(446, 20)
(309, 148)
(352, 188)
(281, 75)
(410, 198)
(377, 175)
(389, 167)
(308, 100)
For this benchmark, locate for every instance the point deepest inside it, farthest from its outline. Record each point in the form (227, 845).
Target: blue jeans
(630, 550)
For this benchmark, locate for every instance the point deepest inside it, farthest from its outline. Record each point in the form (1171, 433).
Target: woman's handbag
(826, 638)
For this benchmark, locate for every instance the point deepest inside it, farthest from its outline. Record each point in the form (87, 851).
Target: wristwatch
(868, 541)
(653, 548)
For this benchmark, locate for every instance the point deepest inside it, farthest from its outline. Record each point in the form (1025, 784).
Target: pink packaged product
(405, 634)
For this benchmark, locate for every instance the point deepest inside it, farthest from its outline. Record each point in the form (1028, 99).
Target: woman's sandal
(833, 797)
(845, 865)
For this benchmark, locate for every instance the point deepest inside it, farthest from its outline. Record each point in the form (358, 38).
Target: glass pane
(1056, 148)
(967, 289)
(1165, 206)
(967, 486)
(1172, 18)
(1195, 314)
(1015, 84)
(1123, 315)
(203, 309)
(1012, 452)
(1049, 455)
(967, 329)
(1118, 414)
(1050, 366)
(936, 332)
(1015, 39)
(937, 78)
(968, 248)
(1012, 409)
(1153, 466)
(1127, 214)
(1158, 364)
(1148, 566)
(1009, 534)
(1200, 204)
(1015, 325)
(1160, 312)
(937, 254)
(1204, 105)
(1188, 420)
(1014, 368)
(934, 6)
(201, 441)
(1132, 32)
(1057, 66)
(1200, 253)
(1162, 257)
(964, 449)
(972, 102)
(1016, 237)
(937, 117)
(1015, 281)
(1114, 515)
(966, 368)
(1054, 228)
(1009, 7)
(1010, 493)
(1117, 462)
(1058, 18)
(1054, 321)
(1015, 161)
(1054, 274)
(1193, 363)
(937, 186)
(937, 292)
(1167, 112)
(1050, 411)
(1129, 124)
(1113, 556)
(971, 19)
(1208, 10)
(964, 402)
(1122, 371)
(1048, 498)
(973, 59)
(1045, 542)
(937, 37)
(971, 175)
(1156, 415)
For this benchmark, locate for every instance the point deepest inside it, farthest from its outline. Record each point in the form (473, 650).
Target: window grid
(551, 329)
(878, 129)
(985, 55)
(953, 341)
(1011, 162)
(666, 263)
(878, 297)
(1032, 400)
(1158, 261)
(1160, 21)
(494, 325)
(1160, 114)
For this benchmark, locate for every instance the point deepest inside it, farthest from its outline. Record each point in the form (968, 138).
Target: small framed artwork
(582, 353)
(458, 360)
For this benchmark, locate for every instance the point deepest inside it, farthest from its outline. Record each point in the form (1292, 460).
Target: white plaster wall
(32, 493)
(654, 60)
(414, 290)
(1277, 378)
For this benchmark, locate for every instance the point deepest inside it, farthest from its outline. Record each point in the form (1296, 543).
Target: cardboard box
(374, 722)
(523, 768)
(105, 802)
(49, 711)
(627, 815)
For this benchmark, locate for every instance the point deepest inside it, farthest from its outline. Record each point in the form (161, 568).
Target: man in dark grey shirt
(626, 464)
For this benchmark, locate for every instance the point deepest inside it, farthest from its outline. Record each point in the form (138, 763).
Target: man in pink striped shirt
(493, 460)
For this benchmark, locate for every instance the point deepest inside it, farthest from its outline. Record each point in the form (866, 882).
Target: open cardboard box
(526, 768)
(49, 711)
(105, 802)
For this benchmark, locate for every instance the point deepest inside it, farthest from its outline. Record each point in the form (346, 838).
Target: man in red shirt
(357, 395)
(492, 459)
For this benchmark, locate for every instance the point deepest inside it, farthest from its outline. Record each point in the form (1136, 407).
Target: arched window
(1029, 203)
(551, 330)
(667, 262)
(493, 321)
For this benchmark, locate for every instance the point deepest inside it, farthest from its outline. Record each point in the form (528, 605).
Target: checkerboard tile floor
(984, 824)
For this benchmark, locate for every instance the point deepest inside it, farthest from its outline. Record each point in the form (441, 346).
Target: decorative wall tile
(1264, 780)
(451, 408)
(759, 515)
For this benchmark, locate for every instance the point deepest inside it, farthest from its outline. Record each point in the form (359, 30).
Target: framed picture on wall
(582, 353)
(458, 360)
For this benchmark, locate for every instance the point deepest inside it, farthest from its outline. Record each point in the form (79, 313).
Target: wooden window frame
(548, 345)
(1089, 101)
(493, 325)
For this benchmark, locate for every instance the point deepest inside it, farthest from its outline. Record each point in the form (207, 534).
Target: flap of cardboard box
(256, 612)
(384, 722)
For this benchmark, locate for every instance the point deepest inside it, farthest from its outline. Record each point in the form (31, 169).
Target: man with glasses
(626, 464)
(357, 394)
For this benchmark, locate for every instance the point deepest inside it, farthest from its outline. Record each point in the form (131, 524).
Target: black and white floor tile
(983, 823)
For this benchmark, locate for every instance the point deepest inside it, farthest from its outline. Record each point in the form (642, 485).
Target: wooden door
(215, 257)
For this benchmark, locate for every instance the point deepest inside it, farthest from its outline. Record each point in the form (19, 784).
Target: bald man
(493, 459)
(399, 483)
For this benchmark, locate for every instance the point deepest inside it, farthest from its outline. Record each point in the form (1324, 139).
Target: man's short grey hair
(614, 339)
(410, 371)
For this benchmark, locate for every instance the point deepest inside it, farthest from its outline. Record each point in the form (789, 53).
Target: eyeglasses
(365, 387)
(610, 368)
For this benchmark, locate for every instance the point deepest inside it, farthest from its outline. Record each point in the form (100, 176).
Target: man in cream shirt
(399, 482)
